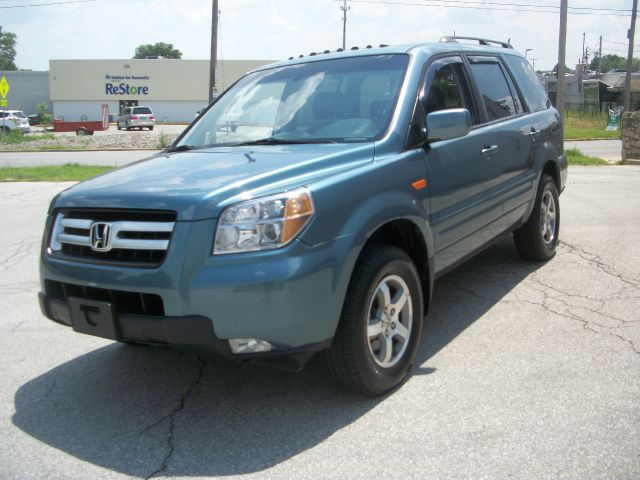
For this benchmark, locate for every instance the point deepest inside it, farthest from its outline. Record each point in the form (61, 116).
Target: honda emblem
(101, 237)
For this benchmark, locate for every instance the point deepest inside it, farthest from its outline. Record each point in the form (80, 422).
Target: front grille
(135, 238)
(132, 303)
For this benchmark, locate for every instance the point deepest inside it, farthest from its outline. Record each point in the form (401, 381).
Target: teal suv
(311, 207)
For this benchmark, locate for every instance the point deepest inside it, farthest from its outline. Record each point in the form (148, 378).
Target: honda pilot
(311, 207)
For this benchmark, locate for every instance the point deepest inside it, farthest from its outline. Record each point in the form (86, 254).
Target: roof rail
(382, 45)
(481, 41)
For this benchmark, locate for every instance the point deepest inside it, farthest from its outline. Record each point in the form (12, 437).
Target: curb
(85, 150)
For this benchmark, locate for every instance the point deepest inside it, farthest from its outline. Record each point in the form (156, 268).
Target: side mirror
(448, 124)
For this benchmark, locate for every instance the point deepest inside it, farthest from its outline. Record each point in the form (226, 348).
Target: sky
(278, 29)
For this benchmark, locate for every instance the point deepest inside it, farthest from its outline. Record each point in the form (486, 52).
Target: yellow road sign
(4, 103)
(4, 87)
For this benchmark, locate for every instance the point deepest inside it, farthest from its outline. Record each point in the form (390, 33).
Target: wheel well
(551, 169)
(405, 234)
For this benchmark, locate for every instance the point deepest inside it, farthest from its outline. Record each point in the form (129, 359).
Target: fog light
(249, 345)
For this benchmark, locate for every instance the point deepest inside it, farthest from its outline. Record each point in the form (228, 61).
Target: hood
(197, 184)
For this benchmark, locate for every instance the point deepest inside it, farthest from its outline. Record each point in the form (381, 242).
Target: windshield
(142, 111)
(343, 100)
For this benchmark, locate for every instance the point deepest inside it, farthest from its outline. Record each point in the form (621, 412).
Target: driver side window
(447, 90)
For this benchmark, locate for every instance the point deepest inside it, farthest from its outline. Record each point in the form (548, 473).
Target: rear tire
(379, 330)
(150, 128)
(537, 239)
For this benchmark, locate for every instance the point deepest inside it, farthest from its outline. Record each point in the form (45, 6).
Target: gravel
(134, 140)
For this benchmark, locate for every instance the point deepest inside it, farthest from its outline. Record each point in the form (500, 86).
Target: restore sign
(125, 89)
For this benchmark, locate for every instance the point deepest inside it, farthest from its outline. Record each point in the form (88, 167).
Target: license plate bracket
(93, 317)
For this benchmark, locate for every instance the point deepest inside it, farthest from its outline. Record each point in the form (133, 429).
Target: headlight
(263, 224)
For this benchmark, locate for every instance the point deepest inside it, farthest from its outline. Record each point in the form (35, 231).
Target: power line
(48, 4)
(547, 5)
(467, 5)
(613, 50)
(538, 5)
(620, 43)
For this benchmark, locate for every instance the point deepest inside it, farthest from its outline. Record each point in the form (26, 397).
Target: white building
(174, 89)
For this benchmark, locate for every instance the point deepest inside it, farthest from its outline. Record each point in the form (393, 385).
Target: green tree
(45, 116)
(566, 70)
(613, 62)
(7, 50)
(157, 49)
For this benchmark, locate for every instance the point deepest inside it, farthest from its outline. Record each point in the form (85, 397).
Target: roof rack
(313, 54)
(481, 41)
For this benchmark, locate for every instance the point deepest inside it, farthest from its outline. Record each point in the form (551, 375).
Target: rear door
(509, 134)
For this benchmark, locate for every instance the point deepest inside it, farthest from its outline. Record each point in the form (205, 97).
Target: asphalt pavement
(525, 371)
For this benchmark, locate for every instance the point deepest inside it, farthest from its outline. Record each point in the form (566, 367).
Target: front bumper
(194, 333)
(291, 297)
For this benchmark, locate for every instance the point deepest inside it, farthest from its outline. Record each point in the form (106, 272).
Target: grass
(576, 157)
(580, 125)
(51, 173)
(15, 137)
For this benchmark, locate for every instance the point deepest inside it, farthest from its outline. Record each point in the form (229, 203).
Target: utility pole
(599, 58)
(583, 51)
(344, 9)
(562, 48)
(533, 60)
(214, 51)
(630, 36)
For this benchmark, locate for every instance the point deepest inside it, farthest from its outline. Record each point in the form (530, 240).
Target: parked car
(13, 120)
(34, 119)
(136, 117)
(320, 223)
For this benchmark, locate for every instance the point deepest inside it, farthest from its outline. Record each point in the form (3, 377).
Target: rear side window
(142, 110)
(493, 87)
(530, 86)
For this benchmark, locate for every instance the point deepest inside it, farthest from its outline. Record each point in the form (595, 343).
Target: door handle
(489, 150)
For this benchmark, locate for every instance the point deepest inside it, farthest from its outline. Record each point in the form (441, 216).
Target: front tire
(537, 239)
(379, 331)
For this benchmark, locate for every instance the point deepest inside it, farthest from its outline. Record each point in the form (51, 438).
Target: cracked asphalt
(525, 371)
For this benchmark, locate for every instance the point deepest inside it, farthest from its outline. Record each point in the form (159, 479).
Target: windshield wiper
(283, 141)
(180, 148)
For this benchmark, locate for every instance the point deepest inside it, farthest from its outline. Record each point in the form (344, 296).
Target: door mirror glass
(448, 124)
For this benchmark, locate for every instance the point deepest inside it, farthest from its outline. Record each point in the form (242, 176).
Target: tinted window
(142, 110)
(444, 92)
(530, 85)
(493, 88)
